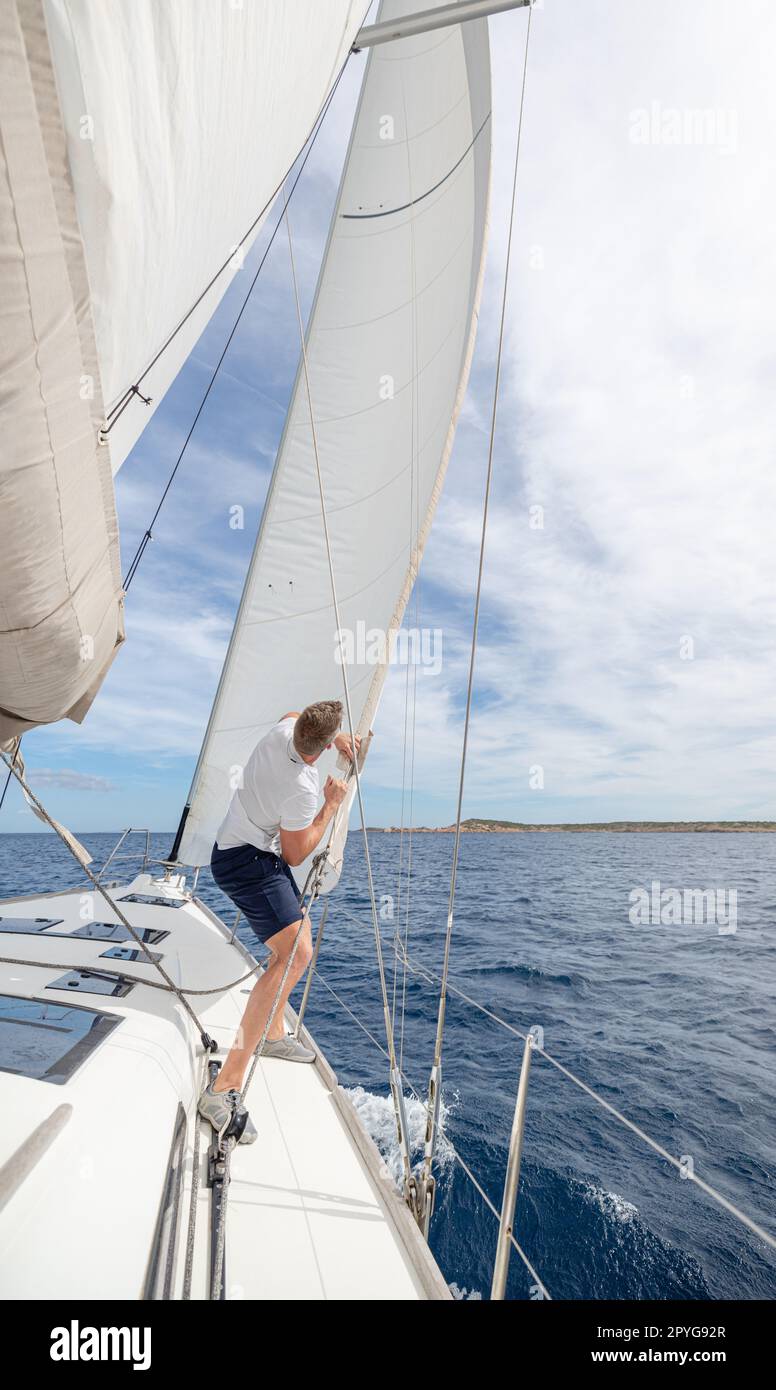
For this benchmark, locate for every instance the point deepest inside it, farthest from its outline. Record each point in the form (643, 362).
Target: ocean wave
(533, 974)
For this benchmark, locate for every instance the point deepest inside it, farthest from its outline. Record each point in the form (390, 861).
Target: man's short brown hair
(316, 727)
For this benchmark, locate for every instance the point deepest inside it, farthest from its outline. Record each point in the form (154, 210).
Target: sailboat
(145, 146)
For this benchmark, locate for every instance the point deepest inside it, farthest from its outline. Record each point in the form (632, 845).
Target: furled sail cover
(389, 347)
(60, 584)
(140, 141)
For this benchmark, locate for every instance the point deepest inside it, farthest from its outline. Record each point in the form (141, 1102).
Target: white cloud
(69, 779)
(637, 409)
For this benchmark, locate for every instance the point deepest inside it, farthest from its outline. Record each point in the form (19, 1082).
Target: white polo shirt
(279, 790)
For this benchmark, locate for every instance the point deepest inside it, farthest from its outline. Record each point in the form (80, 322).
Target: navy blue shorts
(260, 884)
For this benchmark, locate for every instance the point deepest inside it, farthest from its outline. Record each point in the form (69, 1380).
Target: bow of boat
(104, 1192)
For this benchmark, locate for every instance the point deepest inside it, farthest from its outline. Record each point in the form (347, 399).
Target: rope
(337, 619)
(131, 979)
(414, 536)
(5, 788)
(194, 1199)
(435, 1077)
(16, 754)
(118, 409)
(464, 1166)
(148, 533)
(207, 1042)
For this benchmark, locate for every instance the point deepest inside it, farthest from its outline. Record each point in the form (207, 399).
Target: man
(272, 823)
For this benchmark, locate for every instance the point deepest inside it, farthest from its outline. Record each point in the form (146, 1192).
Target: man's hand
(335, 791)
(296, 845)
(343, 745)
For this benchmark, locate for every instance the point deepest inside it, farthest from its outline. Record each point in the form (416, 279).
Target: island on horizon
(481, 826)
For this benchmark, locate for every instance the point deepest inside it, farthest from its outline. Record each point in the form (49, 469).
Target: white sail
(138, 143)
(389, 347)
(182, 119)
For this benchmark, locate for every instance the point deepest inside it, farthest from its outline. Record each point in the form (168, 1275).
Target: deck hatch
(92, 982)
(114, 931)
(29, 926)
(47, 1041)
(151, 901)
(131, 953)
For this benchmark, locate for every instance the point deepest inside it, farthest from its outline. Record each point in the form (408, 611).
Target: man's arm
(295, 845)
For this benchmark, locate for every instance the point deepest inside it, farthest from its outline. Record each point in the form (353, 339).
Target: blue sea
(673, 1024)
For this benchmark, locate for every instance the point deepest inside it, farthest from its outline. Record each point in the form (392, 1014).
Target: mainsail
(139, 142)
(389, 346)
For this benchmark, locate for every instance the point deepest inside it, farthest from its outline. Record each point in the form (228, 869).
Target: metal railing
(114, 855)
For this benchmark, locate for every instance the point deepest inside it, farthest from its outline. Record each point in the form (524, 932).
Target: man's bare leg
(260, 1003)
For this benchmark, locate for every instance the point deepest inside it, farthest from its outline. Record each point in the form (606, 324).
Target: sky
(626, 665)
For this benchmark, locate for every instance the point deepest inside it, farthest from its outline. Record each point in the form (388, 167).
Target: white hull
(91, 1205)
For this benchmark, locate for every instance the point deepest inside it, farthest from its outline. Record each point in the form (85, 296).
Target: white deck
(312, 1214)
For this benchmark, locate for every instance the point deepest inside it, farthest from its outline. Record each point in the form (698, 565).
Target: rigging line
(408, 872)
(413, 481)
(401, 854)
(123, 401)
(419, 969)
(207, 1042)
(148, 534)
(409, 841)
(434, 1078)
(10, 772)
(356, 772)
(464, 1166)
(191, 1229)
(413, 728)
(91, 969)
(414, 517)
(416, 597)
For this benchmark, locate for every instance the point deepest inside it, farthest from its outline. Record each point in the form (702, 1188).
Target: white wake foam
(465, 1295)
(614, 1206)
(376, 1114)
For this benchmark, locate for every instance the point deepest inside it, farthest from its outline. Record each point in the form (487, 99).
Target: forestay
(389, 346)
(139, 143)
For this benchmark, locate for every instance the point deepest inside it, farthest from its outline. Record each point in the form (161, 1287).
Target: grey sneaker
(217, 1106)
(288, 1050)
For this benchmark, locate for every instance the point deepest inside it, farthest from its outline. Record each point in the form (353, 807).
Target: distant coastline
(511, 827)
